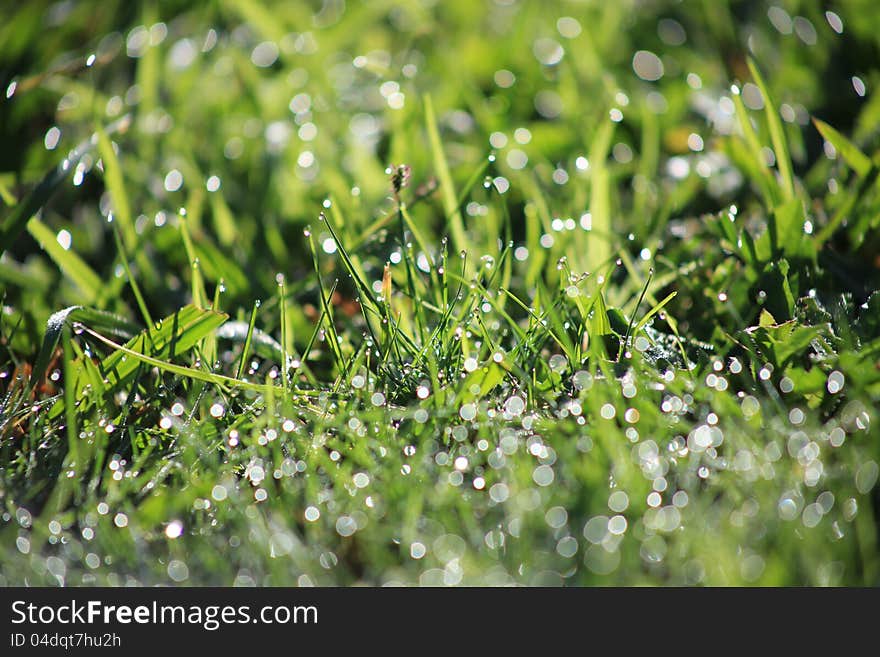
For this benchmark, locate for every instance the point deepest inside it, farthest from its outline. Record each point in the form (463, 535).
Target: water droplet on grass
(567, 547)
(173, 180)
(600, 561)
(499, 492)
(859, 86)
(618, 501)
(543, 475)
(346, 526)
(834, 21)
(835, 383)
(582, 380)
(558, 363)
(174, 529)
(866, 477)
(617, 525)
(556, 517)
(178, 570)
(514, 406)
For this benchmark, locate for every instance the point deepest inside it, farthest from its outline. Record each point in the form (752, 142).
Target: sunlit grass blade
(326, 308)
(851, 154)
(65, 318)
(777, 134)
(135, 288)
(285, 337)
(68, 262)
(137, 356)
(624, 344)
(116, 186)
(6, 194)
(756, 159)
(447, 187)
(170, 337)
(224, 222)
(643, 322)
(538, 321)
(242, 361)
(197, 283)
(599, 239)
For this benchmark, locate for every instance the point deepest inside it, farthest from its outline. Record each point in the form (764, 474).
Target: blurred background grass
(288, 104)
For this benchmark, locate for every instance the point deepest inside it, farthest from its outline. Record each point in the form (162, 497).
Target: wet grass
(454, 293)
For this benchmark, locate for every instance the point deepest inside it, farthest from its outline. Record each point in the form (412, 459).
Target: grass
(439, 294)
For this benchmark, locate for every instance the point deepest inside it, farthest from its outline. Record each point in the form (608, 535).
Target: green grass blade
(855, 158)
(765, 180)
(224, 222)
(68, 262)
(135, 288)
(179, 370)
(643, 322)
(245, 350)
(599, 239)
(447, 187)
(66, 317)
(197, 283)
(285, 338)
(172, 336)
(116, 187)
(777, 134)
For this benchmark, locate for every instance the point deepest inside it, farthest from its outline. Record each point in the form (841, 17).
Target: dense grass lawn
(440, 292)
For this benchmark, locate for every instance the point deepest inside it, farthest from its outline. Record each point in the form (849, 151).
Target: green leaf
(777, 134)
(779, 299)
(781, 342)
(785, 234)
(69, 262)
(172, 336)
(65, 318)
(447, 187)
(766, 319)
(599, 324)
(855, 159)
(754, 161)
(135, 356)
(656, 309)
(116, 187)
(599, 239)
(483, 378)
